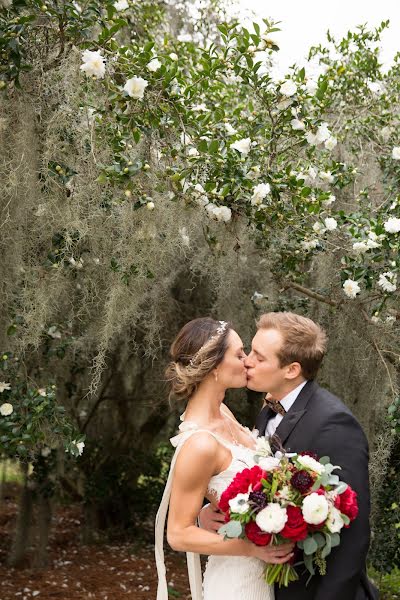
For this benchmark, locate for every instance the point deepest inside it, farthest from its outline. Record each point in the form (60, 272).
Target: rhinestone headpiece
(220, 330)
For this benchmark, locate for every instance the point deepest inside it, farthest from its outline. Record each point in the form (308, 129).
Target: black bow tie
(275, 405)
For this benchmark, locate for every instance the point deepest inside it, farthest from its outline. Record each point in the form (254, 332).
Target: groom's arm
(343, 440)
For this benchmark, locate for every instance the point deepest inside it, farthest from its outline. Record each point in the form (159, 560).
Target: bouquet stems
(280, 574)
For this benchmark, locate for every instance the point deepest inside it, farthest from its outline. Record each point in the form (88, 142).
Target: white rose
(93, 64)
(269, 463)
(239, 504)
(351, 288)
(288, 88)
(135, 87)
(259, 193)
(297, 124)
(310, 463)
(6, 409)
(392, 225)
(387, 281)
(272, 518)
(330, 223)
(396, 153)
(4, 386)
(243, 146)
(334, 521)
(153, 65)
(121, 5)
(315, 509)
(263, 446)
(229, 129)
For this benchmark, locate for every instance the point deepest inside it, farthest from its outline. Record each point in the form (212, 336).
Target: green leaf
(324, 460)
(213, 147)
(335, 540)
(233, 529)
(310, 546)
(342, 487)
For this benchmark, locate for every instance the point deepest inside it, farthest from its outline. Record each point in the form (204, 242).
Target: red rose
(347, 503)
(295, 528)
(256, 535)
(240, 485)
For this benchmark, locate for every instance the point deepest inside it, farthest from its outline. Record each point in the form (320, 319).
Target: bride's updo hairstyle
(198, 348)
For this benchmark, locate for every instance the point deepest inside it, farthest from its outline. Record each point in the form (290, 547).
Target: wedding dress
(233, 577)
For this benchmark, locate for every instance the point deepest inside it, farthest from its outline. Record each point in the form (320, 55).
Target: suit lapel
(295, 412)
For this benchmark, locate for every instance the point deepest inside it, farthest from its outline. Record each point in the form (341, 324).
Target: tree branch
(311, 294)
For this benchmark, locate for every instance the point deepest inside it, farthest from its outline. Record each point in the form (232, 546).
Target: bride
(207, 359)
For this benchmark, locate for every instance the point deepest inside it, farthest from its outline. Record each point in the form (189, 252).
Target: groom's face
(264, 373)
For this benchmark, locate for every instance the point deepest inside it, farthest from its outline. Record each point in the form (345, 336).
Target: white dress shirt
(286, 402)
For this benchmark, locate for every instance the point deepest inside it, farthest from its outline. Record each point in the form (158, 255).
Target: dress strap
(193, 559)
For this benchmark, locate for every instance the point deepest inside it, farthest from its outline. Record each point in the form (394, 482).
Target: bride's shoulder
(201, 443)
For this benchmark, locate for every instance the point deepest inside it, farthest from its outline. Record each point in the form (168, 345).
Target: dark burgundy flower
(307, 453)
(302, 481)
(259, 499)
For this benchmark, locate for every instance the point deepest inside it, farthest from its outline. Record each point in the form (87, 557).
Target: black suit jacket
(319, 422)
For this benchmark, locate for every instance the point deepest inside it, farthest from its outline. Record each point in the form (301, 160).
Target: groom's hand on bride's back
(210, 518)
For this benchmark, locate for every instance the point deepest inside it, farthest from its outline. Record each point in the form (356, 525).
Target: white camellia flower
(259, 193)
(319, 228)
(310, 463)
(322, 134)
(331, 143)
(243, 146)
(4, 386)
(311, 86)
(396, 153)
(334, 521)
(54, 333)
(45, 452)
(272, 518)
(330, 223)
(80, 446)
(121, 5)
(371, 243)
(326, 176)
(42, 392)
(330, 200)
(297, 125)
(93, 64)
(153, 65)
(185, 37)
(150, 205)
(173, 56)
(360, 247)
(135, 87)
(193, 152)
(351, 288)
(387, 281)
(309, 244)
(315, 509)
(200, 108)
(239, 504)
(288, 88)
(229, 129)
(284, 104)
(392, 225)
(6, 409)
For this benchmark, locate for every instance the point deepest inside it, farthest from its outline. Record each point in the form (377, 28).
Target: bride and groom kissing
(207, 358)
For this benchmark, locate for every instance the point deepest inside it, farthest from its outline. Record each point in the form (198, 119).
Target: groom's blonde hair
(303, 340)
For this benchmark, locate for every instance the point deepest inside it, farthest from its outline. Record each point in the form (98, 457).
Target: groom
(285, 356)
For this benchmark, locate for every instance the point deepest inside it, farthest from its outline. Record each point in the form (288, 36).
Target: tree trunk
(90, 524)
(44, 515)
(22, 528)
(3, 478)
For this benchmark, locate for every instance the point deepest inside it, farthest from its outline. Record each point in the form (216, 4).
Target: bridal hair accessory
(220, 330)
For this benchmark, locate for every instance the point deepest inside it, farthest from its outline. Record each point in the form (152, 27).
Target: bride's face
(231, 371)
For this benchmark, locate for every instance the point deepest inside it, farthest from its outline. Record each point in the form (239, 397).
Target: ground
(103, 572)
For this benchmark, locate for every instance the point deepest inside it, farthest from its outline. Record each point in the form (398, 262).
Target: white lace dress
(233, 577)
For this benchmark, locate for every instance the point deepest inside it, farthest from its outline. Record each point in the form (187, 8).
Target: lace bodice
(242, 456)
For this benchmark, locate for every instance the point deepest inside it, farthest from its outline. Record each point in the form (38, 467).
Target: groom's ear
(293, 370)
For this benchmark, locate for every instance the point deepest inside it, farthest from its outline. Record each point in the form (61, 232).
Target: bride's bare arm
(197, 462)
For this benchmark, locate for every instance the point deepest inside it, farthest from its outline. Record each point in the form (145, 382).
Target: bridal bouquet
(292, 497)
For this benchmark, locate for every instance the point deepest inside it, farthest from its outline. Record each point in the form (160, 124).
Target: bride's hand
(274, 554)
